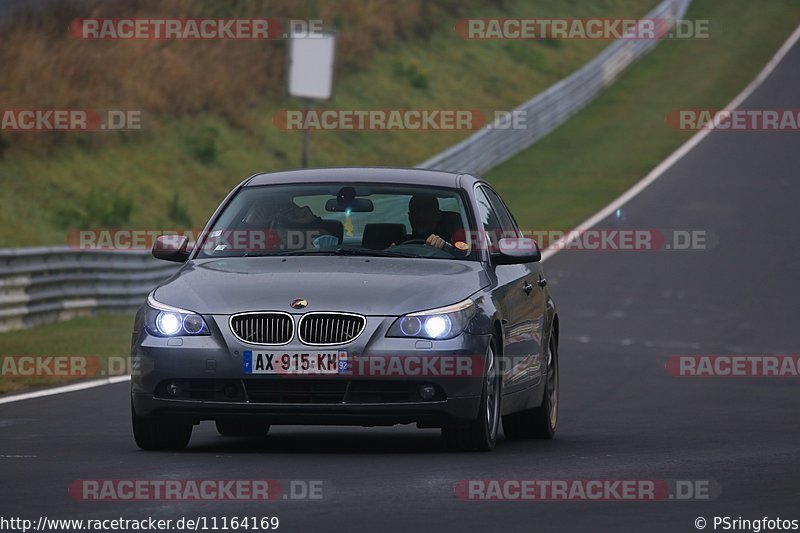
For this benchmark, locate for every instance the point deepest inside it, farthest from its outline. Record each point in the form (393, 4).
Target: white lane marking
(676, 155)
(18, 456)
(622, 200)
(66, 388)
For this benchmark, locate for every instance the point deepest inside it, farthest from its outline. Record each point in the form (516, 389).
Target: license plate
(329, 362)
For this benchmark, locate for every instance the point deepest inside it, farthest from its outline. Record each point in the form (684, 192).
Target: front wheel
(481, 434)
(154, 434)
(538, 422)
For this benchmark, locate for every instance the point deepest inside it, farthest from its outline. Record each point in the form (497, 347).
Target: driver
(427, 222)
(284, 216)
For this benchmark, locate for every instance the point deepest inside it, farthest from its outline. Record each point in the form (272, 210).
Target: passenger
(298, 227)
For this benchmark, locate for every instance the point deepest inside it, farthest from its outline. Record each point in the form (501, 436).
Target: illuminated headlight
(441, 323)
(166, 321)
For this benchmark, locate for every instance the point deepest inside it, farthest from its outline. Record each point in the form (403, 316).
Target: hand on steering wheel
(434, 241)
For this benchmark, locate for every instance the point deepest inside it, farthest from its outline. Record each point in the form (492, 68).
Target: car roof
(410, 176)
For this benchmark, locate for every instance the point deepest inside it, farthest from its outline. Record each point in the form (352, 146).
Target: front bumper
(208, 372)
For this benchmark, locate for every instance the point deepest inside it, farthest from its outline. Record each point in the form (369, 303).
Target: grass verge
(603, 150)
(201, 156)
(96, 339)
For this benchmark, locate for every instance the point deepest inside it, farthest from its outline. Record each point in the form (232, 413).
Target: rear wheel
(481, 434)
(235, 427)
(156, 434)
(538, 422)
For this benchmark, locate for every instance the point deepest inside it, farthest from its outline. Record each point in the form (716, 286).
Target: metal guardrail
(41, 285)
(491, 146)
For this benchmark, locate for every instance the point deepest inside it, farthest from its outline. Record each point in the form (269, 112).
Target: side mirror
(172, 248)
(517, 250)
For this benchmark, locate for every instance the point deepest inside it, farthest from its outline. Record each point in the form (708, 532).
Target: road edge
(675, 156)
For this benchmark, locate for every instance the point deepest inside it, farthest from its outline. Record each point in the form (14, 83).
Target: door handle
(542, 281)
(527, 287)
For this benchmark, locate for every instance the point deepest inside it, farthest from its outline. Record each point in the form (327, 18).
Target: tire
(152, 434)
(538, 422)
(234, 427)
(481, 434)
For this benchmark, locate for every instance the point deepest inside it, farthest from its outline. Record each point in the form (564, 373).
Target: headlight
(441, 323)
(166, 321)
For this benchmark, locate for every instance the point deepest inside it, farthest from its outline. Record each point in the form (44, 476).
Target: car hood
(369, 286)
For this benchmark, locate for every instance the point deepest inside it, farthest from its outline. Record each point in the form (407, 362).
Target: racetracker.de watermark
(364, 365)
(634, 490)
(734, 366)
(125, 239)
(379, 119)
(63, 366)
(193, 29)
(734, 119)
(43, 119)
(581, 28)
(594, 239)
(197, 489)
(399, 119)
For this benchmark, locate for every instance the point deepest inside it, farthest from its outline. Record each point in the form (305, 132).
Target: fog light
(173, 389)
(230, 390)
(427, 391)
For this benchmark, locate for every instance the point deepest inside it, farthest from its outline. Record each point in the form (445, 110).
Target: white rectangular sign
(311, 65)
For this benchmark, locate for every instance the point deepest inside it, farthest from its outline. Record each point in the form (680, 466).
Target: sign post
(310, 77)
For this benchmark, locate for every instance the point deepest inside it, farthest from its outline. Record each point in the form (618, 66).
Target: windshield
(342, 219)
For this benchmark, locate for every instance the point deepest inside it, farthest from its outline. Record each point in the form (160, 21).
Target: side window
(507, 223)
(486, 213)
(487, 217)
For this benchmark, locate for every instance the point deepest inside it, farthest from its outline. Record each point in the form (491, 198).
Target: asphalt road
(622, 416)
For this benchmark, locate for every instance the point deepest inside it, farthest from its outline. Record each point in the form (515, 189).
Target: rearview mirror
(355, 205)
(513, 251)
(172, 248)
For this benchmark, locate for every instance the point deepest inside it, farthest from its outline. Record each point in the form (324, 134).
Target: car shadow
(329, 441)
(346, 441)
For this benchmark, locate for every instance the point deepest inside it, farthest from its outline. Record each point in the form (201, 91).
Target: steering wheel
(449, 250)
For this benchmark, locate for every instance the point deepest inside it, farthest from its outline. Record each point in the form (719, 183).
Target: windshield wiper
(262, 253)
(340, 250)
(343, 250)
